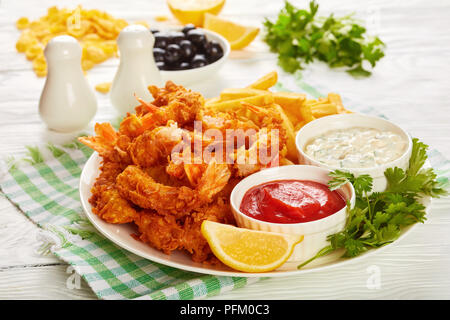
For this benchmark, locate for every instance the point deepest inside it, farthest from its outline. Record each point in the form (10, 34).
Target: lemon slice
(249, 250)
(238, 36)
(193, 11)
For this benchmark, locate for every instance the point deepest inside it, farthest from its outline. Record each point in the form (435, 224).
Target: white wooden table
(410, 85)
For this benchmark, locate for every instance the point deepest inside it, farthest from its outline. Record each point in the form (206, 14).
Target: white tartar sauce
(356, 147)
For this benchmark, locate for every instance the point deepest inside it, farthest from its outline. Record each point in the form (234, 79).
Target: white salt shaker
(137, 69)
(67, 102)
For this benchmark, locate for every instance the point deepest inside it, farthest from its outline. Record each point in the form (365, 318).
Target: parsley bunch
(299, 37)
(377, 218)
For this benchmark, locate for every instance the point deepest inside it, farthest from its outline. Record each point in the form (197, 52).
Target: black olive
(153, 30)
(184, 66)
(187, 50)
(188, 28)
(159, 54)
(161, 65)
(173, 54)
(214, 51)
(199, 61)
(180, 66)
(198, 38)
(176, 37)
(161, 40)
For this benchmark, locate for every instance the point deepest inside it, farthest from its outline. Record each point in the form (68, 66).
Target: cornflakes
(103, 87)
(161, 18)
(22, 23)
(95, 30)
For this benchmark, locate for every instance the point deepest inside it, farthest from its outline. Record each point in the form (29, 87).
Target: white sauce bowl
(186, 77)
(345, 121)
(315, 232)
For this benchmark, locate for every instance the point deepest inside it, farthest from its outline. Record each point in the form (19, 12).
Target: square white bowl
(315, 232)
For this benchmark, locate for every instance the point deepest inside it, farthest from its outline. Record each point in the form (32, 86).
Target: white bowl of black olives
(189, 54)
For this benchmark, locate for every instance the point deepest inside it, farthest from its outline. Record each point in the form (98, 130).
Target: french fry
(299, 125)
(325, 109)
(310, 101)
(286, 162)
(266, 82)
(336, 99)
(291, 103)
(231, 105)
(290, 133)
(238, 93)
(294, 118)
(288, 98)
(306, 113)
(212, 100)
(294, 109)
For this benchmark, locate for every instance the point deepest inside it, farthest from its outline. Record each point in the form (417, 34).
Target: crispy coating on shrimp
(161, 232)
(106, 201)
(138, 187)
(173, 102)
(267, 147)
(155, 145)
(193, 240)
(168, 192)
(167, 234)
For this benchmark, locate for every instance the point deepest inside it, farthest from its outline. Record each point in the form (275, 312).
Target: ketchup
(291, 201)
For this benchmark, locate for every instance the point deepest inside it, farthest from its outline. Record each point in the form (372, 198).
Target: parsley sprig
(299, 37)
(377, 218)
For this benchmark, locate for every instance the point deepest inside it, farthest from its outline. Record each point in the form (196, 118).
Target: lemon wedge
(193, 11)
(249, 250)
(238, 36)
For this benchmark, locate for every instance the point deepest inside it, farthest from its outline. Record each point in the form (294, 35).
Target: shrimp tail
(253, 108)
(213, 180)
(105, 139)
(147, 106)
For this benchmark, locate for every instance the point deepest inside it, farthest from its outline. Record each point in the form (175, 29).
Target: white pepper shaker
(137, 69)
(67, 102)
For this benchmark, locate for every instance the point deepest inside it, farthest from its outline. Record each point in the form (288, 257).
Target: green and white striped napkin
(46, 190)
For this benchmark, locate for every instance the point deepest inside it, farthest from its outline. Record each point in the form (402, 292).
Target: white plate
(121, 235)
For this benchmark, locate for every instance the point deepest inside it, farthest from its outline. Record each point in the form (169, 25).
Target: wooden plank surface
(410, 85)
